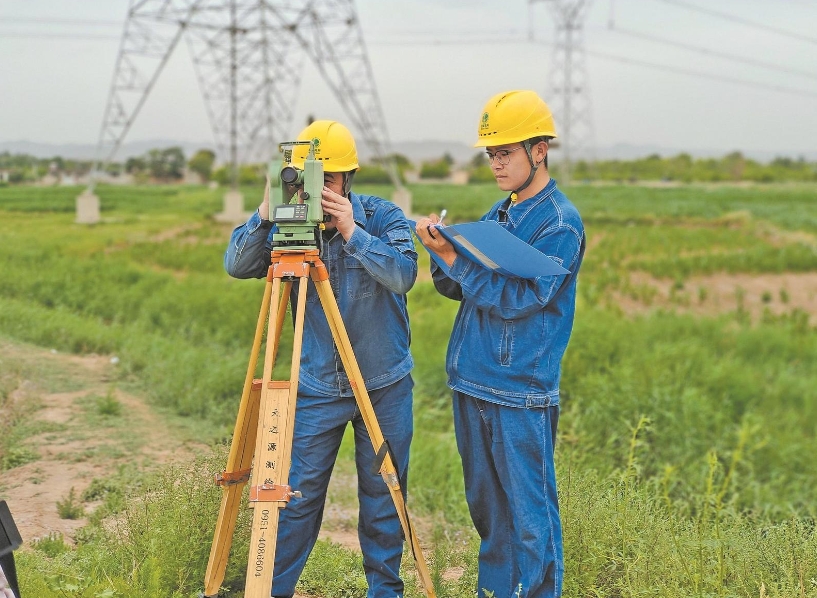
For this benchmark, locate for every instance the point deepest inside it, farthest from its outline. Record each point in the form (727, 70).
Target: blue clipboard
(488, 243)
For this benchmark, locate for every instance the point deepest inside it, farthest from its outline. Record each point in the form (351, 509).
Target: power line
(118, 24)
(441, 42)
(714, 53)
(446, 42)
(700, 74)
(57, 36)
(449, 33)
(742, 21)
(374, 42)
(636, 62)
(48, 20)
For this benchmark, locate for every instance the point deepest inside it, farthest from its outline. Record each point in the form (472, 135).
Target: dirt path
(60, 396)
(65, 398)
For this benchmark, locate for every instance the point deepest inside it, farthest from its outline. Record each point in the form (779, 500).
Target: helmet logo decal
(484, 124)
(316, 143)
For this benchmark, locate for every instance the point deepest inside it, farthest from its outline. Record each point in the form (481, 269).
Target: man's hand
(263, 209)
(340, 209)
(432, 239)
(5, 591)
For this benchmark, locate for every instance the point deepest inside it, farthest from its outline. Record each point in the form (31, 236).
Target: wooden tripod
(261, 449)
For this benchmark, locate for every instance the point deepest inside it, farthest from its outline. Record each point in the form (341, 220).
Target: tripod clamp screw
(273, 493)
(231, 478)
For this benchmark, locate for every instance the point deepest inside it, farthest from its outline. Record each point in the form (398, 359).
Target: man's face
(510, 165)
(334, 180)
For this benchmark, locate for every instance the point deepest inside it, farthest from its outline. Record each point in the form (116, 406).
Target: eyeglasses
(504, 156)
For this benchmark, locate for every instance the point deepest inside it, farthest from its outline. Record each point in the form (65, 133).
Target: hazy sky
(53, 89)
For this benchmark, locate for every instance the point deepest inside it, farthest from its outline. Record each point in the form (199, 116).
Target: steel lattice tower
(568, 91)
(248, 56)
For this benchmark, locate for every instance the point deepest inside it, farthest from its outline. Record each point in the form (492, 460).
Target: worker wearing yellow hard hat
(505, 352)
(334, 147)
(517, 117)
(369, 253)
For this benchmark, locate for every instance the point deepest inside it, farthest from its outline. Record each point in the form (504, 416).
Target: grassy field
(688, 430)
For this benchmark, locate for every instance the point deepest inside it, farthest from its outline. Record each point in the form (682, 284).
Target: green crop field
(688, 432)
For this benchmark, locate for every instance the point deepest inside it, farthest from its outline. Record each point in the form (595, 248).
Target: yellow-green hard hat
(334, 146)
(514, 116)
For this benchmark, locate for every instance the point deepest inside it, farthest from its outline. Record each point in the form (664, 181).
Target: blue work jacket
(510, 333)
(370, 276)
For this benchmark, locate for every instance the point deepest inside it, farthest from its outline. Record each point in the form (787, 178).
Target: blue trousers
(510, 486)
(320, 422)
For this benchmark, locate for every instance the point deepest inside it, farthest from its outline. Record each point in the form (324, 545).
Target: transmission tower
(248, 56)
(568, 91)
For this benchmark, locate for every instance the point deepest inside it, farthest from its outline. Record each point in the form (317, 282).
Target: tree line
(686, 169)
(168, 165)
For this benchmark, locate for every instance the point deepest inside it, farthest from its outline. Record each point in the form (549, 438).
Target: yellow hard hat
(334, 146)
(514, 116)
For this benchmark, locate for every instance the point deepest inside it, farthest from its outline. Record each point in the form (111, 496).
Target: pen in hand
(442, 216)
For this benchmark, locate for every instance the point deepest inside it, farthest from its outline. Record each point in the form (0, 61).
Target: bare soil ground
(722, 293)
(78, 444)
(79, 447)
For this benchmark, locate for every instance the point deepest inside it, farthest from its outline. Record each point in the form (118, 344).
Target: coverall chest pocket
(506, 343)
(359, 283)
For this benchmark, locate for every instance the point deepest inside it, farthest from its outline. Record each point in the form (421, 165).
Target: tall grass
(16, 406)
(623, 537)
(699, 381)
(685, 444)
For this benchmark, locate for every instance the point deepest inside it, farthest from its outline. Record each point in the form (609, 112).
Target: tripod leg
(286, 287)
(387, 470)
(269, 490)
(238, 461)
(231, 496)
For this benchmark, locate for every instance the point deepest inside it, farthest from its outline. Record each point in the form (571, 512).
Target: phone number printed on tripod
(261, 548)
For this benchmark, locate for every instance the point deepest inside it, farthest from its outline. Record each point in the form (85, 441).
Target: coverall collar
(513, 213)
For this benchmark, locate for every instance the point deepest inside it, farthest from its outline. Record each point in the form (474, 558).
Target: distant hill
(87, 151)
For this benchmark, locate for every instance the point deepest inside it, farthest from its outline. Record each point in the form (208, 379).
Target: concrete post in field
(402, 199)
(87, 208)
(233, 208)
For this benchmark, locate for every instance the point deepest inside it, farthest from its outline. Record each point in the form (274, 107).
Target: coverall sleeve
(444, 285)
(509, 297)
(248, 252)
(388, 255)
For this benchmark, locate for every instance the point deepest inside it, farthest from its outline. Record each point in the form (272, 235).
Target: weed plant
(69, 507)
(51, 545)
(108, 405)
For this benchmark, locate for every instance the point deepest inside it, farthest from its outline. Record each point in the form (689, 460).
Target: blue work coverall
(504, 365)
(370, 276)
